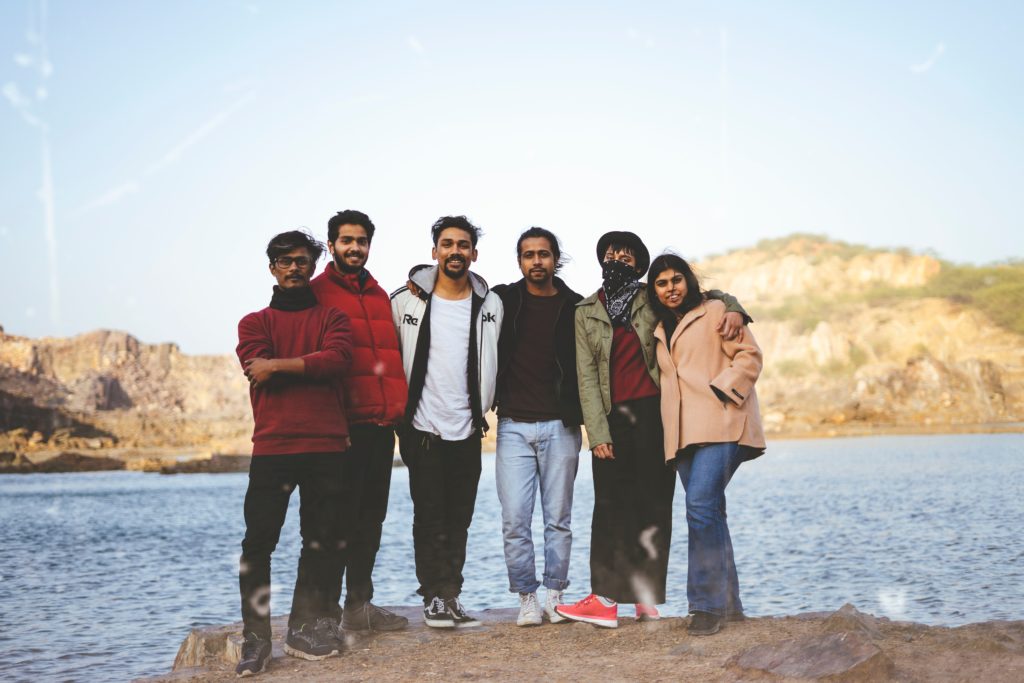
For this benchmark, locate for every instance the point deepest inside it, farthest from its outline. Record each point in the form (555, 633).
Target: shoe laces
(437, 605)
(554, 598)
(457, 607)
(528, 602)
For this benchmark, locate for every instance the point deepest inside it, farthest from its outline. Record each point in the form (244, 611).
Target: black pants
(367, 484)
(632, 524)
(272, 478)
(443, 479)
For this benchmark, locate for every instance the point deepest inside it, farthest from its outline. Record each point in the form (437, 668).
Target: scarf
(293, 298)
(621, 285)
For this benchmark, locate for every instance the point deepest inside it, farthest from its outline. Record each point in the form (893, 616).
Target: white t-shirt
(444, 404)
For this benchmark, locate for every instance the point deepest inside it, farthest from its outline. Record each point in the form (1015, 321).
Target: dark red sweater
(299, 414)
(628, 370)
(375, 386)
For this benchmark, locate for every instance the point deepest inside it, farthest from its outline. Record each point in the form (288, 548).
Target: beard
(455, 274)
(339, 263)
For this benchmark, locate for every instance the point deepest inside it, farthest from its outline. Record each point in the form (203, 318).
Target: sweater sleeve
(253, 339)
(335, 354)
(737, 381)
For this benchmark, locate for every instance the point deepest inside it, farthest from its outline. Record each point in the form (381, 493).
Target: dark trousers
(443, 479)
(632, 524)
(366, 486)
(272, 478)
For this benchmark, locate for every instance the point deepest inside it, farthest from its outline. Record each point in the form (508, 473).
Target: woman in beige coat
(712, 425)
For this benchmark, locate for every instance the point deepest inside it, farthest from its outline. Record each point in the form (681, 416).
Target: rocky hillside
(855, 339)
(106, 389)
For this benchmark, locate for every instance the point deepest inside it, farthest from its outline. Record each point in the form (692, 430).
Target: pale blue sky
(182, 135)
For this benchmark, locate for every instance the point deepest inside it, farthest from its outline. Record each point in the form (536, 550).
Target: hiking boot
(647, 612)
(551, 601)
(312, 642)
(529, 610)
(436, 614)
(459, 614)
(369, 617)
(255, 655)
(704, 624)
(591, 610)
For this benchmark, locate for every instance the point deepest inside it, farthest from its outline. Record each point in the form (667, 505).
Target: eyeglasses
(287, 261)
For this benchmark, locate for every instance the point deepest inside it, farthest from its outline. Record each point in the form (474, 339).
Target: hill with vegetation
(856, 340)
(859, 339)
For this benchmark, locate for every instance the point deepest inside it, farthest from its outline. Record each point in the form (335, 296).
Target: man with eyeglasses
(375, 394)
(295, 353)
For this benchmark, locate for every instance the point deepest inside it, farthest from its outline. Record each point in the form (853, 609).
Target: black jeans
(443, 479)
(272, 478)
(367, 484)
(632, 524)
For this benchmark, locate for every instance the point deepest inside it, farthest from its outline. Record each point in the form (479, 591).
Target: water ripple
(103, 574)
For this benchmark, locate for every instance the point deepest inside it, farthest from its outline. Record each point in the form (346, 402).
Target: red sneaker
(591, 610)
(647, 612)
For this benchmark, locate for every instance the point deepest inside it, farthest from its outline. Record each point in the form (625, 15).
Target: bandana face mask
(621, 283)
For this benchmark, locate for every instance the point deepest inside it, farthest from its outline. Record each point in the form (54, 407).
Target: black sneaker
(333, 628)
(255, 655)
(459, 614)
(704, 624)
(436, 614)
(312, 643)
(369, 617)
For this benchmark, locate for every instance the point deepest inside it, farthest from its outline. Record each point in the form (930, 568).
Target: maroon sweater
(299, 414)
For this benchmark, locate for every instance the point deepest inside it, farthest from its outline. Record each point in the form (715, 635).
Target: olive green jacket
(594, 351)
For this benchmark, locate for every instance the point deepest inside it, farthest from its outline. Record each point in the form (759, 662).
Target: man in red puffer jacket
(375, 396)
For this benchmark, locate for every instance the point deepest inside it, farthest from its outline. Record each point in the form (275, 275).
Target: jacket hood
(425, 279)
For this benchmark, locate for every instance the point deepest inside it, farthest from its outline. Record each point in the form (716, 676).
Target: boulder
(846, 657)
(849, 618)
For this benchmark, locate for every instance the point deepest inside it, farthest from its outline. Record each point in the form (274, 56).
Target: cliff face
(849, 340)
(106, 388)
(852, 342)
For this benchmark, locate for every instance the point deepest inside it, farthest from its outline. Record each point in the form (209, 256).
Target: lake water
(103, 574)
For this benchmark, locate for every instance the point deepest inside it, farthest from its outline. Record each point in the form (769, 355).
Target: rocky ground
(842, 646)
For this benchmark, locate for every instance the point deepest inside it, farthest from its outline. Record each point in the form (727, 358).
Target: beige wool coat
(700, 359)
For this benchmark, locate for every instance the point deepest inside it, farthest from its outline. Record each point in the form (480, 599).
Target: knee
(256, 549)
(703, 512)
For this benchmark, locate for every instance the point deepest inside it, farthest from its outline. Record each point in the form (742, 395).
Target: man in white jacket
(448, 334)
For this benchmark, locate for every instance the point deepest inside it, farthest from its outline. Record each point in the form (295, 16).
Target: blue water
(103, 574)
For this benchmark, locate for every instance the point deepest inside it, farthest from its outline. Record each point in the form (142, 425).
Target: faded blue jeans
(711, 581)
(531, 455)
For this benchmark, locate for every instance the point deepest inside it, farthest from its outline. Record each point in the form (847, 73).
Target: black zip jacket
(566, 389)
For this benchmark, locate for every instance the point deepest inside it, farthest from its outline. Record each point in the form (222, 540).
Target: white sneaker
(554, 598)
(529, 610)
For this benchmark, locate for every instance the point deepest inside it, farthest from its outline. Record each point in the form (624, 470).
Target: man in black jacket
(539, 420)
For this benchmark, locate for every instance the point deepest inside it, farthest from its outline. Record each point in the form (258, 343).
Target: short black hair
(556, 246)
(693, 297)
(349, 217)
(286, 242)
(460, 222)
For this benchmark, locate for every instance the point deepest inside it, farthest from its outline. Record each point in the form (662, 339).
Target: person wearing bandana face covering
(619, 393)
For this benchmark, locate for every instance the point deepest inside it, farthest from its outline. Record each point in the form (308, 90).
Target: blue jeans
(531, 454)
(711, 581)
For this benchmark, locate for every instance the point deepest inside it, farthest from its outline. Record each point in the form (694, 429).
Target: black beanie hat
(629, 239)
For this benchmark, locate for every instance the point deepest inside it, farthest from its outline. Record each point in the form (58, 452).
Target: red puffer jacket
(375, 387)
